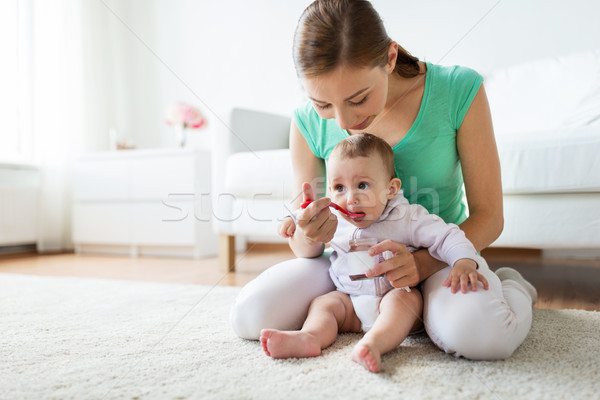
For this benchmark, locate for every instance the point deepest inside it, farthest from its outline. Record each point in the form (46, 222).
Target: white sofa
(546, 118)
(251, 180)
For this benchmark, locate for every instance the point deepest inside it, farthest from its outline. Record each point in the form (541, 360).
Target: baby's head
(362, 177)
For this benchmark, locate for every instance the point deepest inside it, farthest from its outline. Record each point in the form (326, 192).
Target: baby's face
(360, 185)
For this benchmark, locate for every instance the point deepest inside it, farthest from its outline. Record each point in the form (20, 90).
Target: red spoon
(333, 205)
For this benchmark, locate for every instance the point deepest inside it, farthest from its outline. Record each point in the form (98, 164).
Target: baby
(362, 180)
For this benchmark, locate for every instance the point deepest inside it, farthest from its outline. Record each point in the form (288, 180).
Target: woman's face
(352, 96)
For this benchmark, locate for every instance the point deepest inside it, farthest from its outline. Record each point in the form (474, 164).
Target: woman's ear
(392, 56)
(394, 187)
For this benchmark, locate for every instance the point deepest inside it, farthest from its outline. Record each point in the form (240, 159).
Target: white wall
(221, 54)
(490, 34)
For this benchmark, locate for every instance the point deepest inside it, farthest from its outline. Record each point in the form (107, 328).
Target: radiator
(19, 193)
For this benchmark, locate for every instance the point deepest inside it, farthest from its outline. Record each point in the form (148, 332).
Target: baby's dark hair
(363, 145)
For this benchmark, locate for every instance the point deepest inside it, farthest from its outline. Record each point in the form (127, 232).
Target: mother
(437, 120)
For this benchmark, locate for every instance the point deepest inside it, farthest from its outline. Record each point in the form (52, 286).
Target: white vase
(181, 135)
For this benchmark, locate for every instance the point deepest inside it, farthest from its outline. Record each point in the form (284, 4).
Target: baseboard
(22, 248)
(145, 251)
(586, 254)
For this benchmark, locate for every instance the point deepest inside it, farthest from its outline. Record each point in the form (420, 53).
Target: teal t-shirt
(426, 159)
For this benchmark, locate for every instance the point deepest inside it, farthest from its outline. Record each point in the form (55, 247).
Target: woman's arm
(315, 224)
(481, 173)
(306, 166)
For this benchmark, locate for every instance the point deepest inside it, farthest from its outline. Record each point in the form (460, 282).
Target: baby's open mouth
(357, 217)
(340, 209)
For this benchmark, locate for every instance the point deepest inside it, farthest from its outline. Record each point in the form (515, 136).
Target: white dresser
(144, 202)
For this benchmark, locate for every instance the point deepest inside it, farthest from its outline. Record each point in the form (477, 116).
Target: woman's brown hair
(350, 32)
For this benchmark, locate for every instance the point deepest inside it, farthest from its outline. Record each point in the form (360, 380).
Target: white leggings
(483, 325)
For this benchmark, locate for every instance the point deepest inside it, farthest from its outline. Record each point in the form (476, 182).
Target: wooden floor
(561, 283)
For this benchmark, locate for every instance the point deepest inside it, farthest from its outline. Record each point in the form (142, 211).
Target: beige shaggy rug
(72, 338)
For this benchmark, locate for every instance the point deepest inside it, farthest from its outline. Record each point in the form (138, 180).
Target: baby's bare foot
(367, 356)
(288, 344)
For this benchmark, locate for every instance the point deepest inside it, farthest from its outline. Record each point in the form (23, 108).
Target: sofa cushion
(260, 174)
(552, 161)
(561, 220)
(546, 94)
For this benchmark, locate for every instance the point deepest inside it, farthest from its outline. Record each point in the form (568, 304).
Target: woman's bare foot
(367, 356)
(288, 344)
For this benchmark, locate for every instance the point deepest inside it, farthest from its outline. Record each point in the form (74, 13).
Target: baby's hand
(462, 273)
(286, 228)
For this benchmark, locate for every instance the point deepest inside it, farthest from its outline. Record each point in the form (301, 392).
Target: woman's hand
(401, 270)
(316, 221)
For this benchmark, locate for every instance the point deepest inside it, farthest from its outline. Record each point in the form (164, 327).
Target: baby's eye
(339, 188)
(363, 185)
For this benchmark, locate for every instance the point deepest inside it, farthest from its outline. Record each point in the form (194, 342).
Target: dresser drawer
(108, 223)
(157, 178)
(169, 223)
(100, 180)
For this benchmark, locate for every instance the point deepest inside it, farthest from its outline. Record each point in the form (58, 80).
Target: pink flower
(184, 114)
